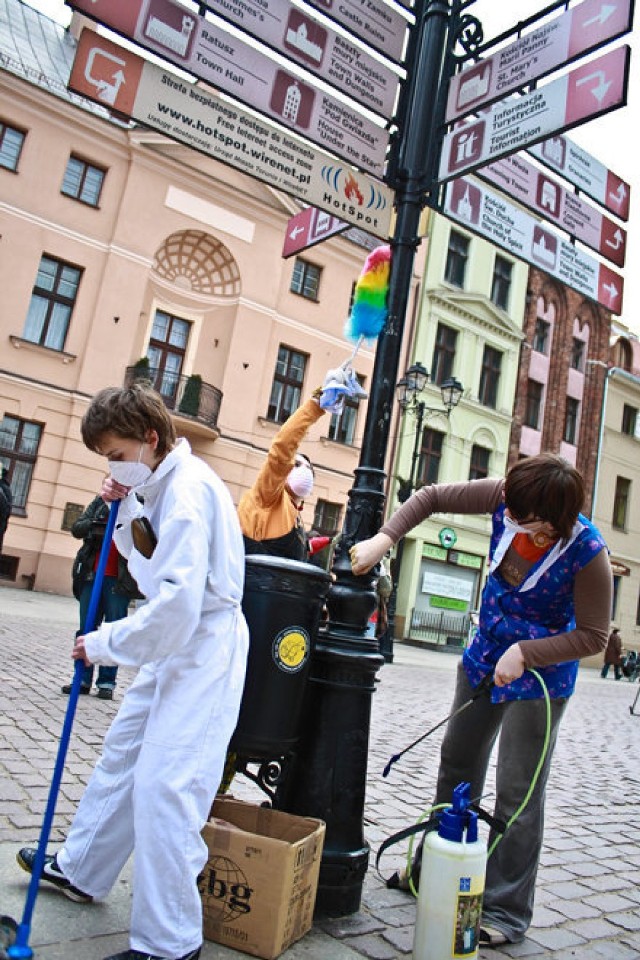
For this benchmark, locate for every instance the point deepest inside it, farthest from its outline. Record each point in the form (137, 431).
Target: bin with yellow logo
(283, 601)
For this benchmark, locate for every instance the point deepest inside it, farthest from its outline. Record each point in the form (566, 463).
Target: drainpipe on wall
(609, 372)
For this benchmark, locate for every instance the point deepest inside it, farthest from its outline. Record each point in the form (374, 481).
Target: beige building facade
(121, 248)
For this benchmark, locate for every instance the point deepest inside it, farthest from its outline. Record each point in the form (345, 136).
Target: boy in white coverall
(163, 756)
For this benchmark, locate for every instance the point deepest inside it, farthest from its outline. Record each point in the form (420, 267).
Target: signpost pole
(329, 775)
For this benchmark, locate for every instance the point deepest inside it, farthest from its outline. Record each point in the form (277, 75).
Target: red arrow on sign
(309, 227)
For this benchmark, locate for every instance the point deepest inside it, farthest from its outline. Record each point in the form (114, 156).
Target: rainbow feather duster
(369, 308)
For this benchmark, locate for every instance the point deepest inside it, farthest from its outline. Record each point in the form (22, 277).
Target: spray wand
(21, 948)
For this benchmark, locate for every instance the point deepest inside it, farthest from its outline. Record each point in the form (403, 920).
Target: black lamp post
(408, 390)
(328, 776)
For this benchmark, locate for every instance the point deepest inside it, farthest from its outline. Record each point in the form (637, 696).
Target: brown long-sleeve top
(592, 589)
(266, 510)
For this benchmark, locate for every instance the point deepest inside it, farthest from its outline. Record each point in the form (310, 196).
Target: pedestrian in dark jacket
(613, 655)
(118, 588)
(6, 503)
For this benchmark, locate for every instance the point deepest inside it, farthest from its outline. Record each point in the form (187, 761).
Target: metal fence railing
(440, 627)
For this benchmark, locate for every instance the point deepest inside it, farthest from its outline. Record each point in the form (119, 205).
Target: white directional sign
(585, 172)
(377, 23)
(589, 91)
(309, 227)
(556, 43)
(133, 87)
(206, 51)
(494, 218)
(300, 37)
(545, 196)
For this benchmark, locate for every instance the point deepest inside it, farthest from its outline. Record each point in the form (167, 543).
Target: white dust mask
(512, 527)
(300, 481)
(130, 473)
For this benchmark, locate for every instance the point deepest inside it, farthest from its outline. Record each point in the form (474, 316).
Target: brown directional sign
(133, 87)
(214, 55)
(578, 31)
(493, 217)
(543, 194)
(309, 227)
(585, 172)
(299, 36)
(519, 122)
(377, 23)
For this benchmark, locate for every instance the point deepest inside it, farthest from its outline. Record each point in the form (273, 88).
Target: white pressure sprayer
(454, 861)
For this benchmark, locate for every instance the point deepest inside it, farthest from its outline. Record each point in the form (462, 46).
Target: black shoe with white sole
(137, 955)
(52, 873)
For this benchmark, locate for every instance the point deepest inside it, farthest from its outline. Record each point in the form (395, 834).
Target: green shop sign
(448, 603)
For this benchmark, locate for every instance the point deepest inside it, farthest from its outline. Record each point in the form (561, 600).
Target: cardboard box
(260, 883)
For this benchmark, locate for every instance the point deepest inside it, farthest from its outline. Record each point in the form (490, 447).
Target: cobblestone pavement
(588, 896)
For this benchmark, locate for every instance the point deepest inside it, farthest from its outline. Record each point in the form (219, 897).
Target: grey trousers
(466, 748)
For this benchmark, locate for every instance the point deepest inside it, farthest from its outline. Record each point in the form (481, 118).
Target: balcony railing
(188, 397)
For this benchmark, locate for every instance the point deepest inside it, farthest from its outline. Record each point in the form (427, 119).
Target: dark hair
(546, 487)
(129, 412)
(309, 464)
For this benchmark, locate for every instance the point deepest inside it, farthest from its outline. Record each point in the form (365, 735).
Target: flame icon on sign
(343, 181)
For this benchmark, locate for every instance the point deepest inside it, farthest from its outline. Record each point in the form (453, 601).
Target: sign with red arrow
(309, 227)
(585, 172)
(205, 50)
(134, 87)
(576, 32)
(594, 88)
(491, 216)
(545, 196)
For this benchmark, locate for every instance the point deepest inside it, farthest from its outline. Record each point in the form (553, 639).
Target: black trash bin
(282, 602)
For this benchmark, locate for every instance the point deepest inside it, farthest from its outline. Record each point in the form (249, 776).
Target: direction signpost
(597, 87)
(214, 55)
(309, 227)
(502, 223)
(105, 72)
(543, 195)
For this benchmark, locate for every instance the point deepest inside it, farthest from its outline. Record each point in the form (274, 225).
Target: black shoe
(8, 932)
(52, 873)
(84, 688)
(105, 693)
(137, 955)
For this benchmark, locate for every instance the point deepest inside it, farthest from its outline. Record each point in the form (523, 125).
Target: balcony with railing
(188, 398)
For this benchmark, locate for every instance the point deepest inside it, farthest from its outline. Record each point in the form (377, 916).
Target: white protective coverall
(163, 756)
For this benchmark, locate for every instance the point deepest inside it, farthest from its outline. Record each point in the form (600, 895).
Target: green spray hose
(527, 796)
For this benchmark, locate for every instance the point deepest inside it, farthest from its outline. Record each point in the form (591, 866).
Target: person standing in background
(118, 588)
(6, 504)
(613, 655)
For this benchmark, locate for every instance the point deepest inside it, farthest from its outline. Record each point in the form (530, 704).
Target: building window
(621, 503)
(430, 457)
(83, 181)
(444, 353)
(166, 351)
(629, 420)
(541, 336)
(534, 405)
(490, 377)
(326, 518)
(457, 256)
(52, 302)
(305, 279)
(570, 433)
(501, 283)
(479, 466)
(19, 441)
(11, 141)
(342, 428)
(286, 388)
(577, 354)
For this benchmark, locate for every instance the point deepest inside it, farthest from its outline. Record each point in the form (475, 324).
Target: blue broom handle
(21, 948)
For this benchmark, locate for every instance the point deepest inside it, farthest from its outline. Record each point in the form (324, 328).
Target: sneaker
(8, 932)
(105, 693)
(52, 873)
(84, 688)
(137, 955)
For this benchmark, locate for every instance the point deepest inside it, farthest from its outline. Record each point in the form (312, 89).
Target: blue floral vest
(540, 606)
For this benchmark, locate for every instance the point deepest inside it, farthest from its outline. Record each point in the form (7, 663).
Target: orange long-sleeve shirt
(266, 510)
